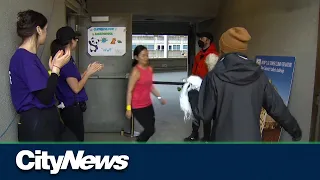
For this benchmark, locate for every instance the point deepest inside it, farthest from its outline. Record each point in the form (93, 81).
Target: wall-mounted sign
(279, 70)
(107, 41)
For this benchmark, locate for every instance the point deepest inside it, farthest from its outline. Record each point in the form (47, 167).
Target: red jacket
(200, 67)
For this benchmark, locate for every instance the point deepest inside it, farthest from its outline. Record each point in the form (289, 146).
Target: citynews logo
(40, 160)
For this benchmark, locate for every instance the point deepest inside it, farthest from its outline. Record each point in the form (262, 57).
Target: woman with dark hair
(32, 89)
(138, 95)
(70, 91)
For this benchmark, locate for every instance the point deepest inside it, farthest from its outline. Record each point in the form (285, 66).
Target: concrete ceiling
(167, 18)
(158, 10)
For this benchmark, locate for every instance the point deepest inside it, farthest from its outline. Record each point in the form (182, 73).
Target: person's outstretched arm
(70, 74)
(83, 74)
(275, 107)
(154, 90)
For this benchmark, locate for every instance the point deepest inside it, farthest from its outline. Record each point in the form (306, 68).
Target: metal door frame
(191, 47)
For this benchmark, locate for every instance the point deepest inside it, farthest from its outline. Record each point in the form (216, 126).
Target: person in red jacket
(200, 69)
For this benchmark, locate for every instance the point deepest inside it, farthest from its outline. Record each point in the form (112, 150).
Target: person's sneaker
(192, 137)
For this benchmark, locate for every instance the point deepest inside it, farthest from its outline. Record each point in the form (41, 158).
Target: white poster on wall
(107, 41)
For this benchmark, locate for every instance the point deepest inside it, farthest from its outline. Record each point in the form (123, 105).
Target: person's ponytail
(134, 62)
(55, 47)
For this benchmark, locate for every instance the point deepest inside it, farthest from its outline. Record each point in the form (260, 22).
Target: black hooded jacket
(232, 95)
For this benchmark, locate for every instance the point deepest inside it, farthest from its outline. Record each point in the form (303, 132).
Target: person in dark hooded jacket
(233, 93)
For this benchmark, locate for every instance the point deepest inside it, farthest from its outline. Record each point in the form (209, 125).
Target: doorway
(72, 21)
(171, 48)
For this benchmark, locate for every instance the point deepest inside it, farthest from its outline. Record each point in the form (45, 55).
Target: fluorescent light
(99, 18)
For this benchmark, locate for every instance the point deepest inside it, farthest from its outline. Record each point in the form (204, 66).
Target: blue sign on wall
(279, 70)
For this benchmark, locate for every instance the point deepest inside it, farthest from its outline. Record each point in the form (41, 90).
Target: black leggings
(72, 117)
(40, 125)
(145, 116)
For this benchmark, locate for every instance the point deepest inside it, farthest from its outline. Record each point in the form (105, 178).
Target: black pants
(206, 129)
(193, 100)
(39, 125)
(146, 117)
(72, 117)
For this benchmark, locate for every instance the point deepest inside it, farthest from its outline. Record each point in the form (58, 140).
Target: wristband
(128, 107)
(50, 72)
(56, 66)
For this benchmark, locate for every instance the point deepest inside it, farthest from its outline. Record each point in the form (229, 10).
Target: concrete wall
(107, 94)
(10, 41)
(284, 28)
(174, 8)
(156, 28)
(315, 123)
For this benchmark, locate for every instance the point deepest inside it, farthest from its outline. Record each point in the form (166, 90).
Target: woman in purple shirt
(32, 89)
(70, 90)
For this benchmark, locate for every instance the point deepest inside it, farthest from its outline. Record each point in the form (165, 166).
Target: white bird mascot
(194, 83)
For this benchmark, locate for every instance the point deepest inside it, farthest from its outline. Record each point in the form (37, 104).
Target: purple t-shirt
(64, 92)
(27, 75)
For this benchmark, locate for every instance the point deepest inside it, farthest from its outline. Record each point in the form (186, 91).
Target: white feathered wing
(194, 82)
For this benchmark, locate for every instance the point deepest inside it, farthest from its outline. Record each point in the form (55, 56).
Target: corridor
(170, 126)
(275, 27)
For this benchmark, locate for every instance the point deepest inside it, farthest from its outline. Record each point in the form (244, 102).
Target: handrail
(127, 76)
(112, 76)
(168, 83)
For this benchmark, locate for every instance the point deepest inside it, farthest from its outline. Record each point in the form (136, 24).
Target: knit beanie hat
(234, 40)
